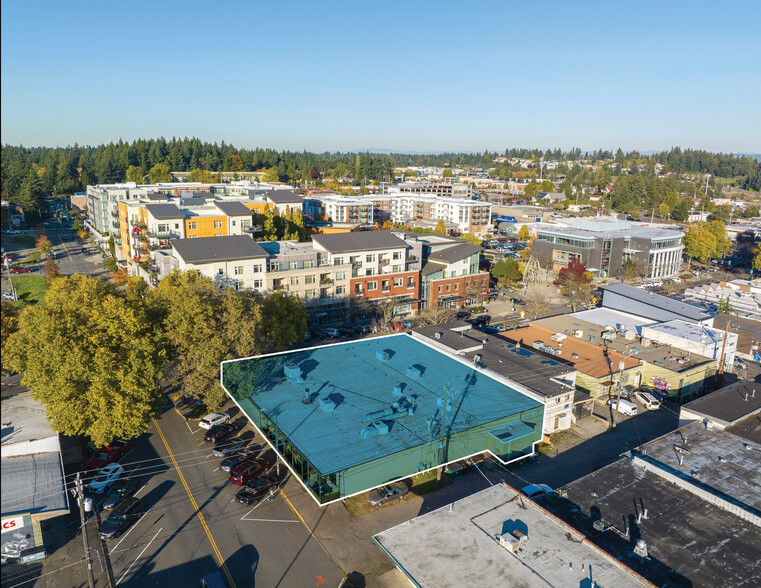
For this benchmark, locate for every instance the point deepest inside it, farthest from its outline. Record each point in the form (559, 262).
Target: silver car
(387, 493)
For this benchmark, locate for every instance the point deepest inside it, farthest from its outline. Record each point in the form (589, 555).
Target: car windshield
(101, 456)
(101, 477)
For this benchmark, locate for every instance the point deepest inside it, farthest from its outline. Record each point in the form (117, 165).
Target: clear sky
(406, 76)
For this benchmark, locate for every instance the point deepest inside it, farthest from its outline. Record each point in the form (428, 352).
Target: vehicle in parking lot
(248, 470)
(121, 518)
(387, 493)
(255, 489)
(108, 454)
(517, 300)
(482, 320)
(8, 295)
(741, 363)
(361, 329)
(623, 406)
(536, 490)
(462, 315)
(213, 580)
(331, 332)
(493, 329)
(22, 270)
(227, 446)
(317, 334)
(119, 490)
(236, 459)
(219, 432)
(649, 401)
(214, 418)
(457, 468)
(345, 331)
(105, 477)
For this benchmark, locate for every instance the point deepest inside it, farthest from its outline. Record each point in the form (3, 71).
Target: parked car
(361, 329)
(345, 331)
(108, 454)
(121, 518)
(317, 334)
(517, 300)
(407, 324)
(105, 477)
(457, 468)
(623, 406)
(482, 320)
(741, 363)
(387, 493)
(493, 329)
(331, 332)
(248, 470)
(22, 270)
(119, 490)
(649, 401)
(462, 315)
(8, 295)
(236, 459)
(213, 580)
(536, 490)
(219, 432)
(255, 489)
(227, 447)
(397, 326)
(214, 418)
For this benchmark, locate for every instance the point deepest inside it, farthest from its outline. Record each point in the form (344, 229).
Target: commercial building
(552, 379)
(650, 305)
(498, 537)
(348, 417)
(681, 510)
(725, 407)
(748, 333)
(605, 246)
(743, 297)
(693, 339)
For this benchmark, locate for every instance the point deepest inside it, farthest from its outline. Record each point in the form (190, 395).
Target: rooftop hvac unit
(646, 342)
(620, 327)
(509, 542)
(292, 372)
(327, 405)
(376, 428)
(609, 328)
(437, 335)
(538, 345)
(378, 414)
(382, 355)
(477, 358)
(413, 372)
(630, 335)
(397, 391)
(578, 333)
(558, 337)
(609, 336)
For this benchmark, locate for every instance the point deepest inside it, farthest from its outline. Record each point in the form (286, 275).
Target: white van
(624, 406)
(649, 401)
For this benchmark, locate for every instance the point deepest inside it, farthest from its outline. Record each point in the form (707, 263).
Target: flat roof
(749, 428)
(656, 300)
(283, 196)
(608, 316)
(162, 211)
(457, 545)
(228, 248)
(690, 331)
(690, 541)
(609, 229)
(730, 404)
(359, 241)
(353, 377)
(24, 420)
(233, 208)
(32, 484)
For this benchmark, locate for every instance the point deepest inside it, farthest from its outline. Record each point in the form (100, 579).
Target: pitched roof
(591, 360)
(160, 211)
(455, 253)
(431, 267)
(233, 208)
(218, 249)
(656, 300)
(283, 196)
(359, 241)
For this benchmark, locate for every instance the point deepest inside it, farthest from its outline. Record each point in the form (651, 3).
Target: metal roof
(161, 211)
(656, 300)
(218, 249)
(363, 384)
(455, 253)
(360, 241)
(233, 208)
(284, 197)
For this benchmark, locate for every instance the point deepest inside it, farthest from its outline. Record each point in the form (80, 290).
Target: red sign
(12, 524)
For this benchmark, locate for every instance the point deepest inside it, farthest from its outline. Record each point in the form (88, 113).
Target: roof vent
(437, 335)
(327, 404)
(373, 429)
(477, 358)
(575, 355)
(640, 548)
(381, 355)
(293, 373)
(378, 414)
(397, 391)
(414, 372)
(598, 526)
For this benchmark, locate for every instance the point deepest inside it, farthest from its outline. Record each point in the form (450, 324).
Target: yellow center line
(198, 510)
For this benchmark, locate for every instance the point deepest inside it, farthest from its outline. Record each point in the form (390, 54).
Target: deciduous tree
(472, 239)
(91, 358)
(159, 173)
(441, 228)
(524, 233)
(136, 174)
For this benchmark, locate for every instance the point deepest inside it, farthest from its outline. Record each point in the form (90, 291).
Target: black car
(255, 490)
(121, 518)
(482, 320)
(219, 432)
(463, 315)
(228, 447)
(119, 490)
(345, 331)
(317, 334)
(237, 458)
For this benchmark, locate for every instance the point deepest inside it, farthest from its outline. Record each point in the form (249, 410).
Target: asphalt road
(192, 524)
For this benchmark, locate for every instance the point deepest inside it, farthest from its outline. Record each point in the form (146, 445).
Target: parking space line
(198, 512)
(272, 520)
(192, 432)
(140, 489)
(129, 531)
(138, 557)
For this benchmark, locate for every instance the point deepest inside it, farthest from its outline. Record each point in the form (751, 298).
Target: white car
(536, 490)
(623, 406)
(741, 363)
(649, 401)
(213, 419)
(105, 477)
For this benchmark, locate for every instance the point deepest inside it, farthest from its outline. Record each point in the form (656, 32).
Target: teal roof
(356, 415)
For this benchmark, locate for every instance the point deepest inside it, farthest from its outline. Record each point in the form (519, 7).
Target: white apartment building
(469, 216)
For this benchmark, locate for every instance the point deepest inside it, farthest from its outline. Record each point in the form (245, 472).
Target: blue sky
(406, 76)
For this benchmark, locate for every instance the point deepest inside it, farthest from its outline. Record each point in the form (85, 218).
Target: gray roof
(657, 301)
(161, 211)
(431, 267)
(156, 196)
(455, 253)
(359, 241)
(728, 405)
(284, 196)
(234, 208)
(32, 484)
(209, 249)
(24, 420)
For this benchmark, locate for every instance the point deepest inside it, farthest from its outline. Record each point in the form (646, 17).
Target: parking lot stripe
(198, 510)
(138, 557)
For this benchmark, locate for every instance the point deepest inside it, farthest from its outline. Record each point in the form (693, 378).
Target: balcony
(163, 235)
(114, 213)
(283, 287)
(355, 264)
(326, 282)
(115, 225)
(383, 262)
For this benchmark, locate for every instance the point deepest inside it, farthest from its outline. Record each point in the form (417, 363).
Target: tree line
(96, 355)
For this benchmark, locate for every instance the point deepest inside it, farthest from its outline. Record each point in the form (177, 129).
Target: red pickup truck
(108, 454)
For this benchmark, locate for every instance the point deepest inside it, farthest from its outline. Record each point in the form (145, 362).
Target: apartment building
(338, 208)
(437, 189)
(606, 245)
(469, 216)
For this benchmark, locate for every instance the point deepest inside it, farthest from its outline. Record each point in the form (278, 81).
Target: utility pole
(721, 362)
(85, 541)
(621, 365)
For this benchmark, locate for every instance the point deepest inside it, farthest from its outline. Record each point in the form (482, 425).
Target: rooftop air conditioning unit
(646, 342)
(437, 335)
(558, 337)
(509, 542)
(630, 335)
(608, 336)
(578, 333)
(381, 355)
